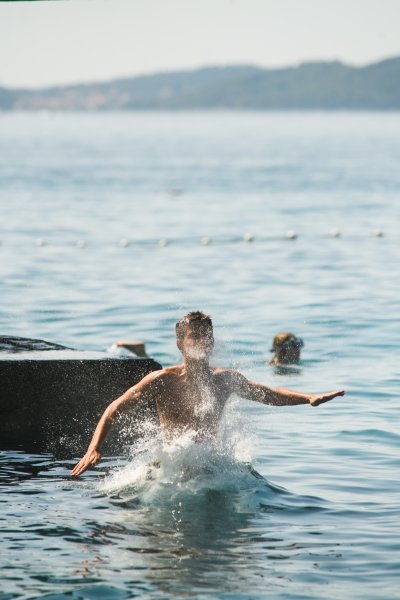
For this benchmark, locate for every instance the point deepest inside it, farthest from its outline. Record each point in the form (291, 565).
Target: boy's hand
(90, 459)
(317, 399)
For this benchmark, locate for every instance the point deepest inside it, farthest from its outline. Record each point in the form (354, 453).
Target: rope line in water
(203, 241)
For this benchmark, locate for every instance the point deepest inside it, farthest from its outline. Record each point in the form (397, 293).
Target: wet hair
(286, 340)
(196, 317)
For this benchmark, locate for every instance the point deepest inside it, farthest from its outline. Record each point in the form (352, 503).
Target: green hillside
(310, 86)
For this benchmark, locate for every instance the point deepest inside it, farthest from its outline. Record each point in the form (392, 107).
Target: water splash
(196, 352)
(206, 406)
(183, 471)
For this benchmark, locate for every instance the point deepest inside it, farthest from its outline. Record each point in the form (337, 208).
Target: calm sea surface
(114, 225)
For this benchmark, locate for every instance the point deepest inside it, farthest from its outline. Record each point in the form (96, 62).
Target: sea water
(114, 225)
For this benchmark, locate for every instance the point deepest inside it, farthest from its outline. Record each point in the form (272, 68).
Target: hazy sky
(86, 40)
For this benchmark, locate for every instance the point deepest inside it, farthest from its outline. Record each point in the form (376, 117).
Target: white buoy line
(248, 238)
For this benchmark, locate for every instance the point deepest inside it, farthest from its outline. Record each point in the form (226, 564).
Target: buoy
(248, 237)
(291, 235)
(205, 241)
(162, 243)
(80, 244)
(124, 243)
(40, 243)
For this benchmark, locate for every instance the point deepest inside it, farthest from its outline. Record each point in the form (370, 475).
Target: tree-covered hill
(319, 85)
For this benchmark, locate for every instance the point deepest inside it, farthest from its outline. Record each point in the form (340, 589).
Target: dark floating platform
(51, 397)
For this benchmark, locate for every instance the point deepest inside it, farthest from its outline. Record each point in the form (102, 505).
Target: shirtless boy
(191, 395)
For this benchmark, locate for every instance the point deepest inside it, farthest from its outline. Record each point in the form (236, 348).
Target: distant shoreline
(316, 86)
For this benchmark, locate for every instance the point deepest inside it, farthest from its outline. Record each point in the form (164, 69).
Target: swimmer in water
(287, 349)
(193, 395)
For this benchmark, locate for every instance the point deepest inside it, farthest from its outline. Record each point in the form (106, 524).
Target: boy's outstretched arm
(136, 395)
(276, 396)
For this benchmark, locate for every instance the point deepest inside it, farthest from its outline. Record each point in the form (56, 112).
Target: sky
(57, 42)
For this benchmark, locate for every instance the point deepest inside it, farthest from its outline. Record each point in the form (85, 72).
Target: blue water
(114, 225)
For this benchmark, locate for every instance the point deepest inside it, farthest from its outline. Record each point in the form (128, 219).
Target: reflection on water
(194, 541)
(287, 369)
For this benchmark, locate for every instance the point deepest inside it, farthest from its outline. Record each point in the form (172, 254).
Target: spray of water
(182, 469)
(196, 353)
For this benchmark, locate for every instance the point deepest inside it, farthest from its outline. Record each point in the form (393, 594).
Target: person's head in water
(194, 335)
(287, 349)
